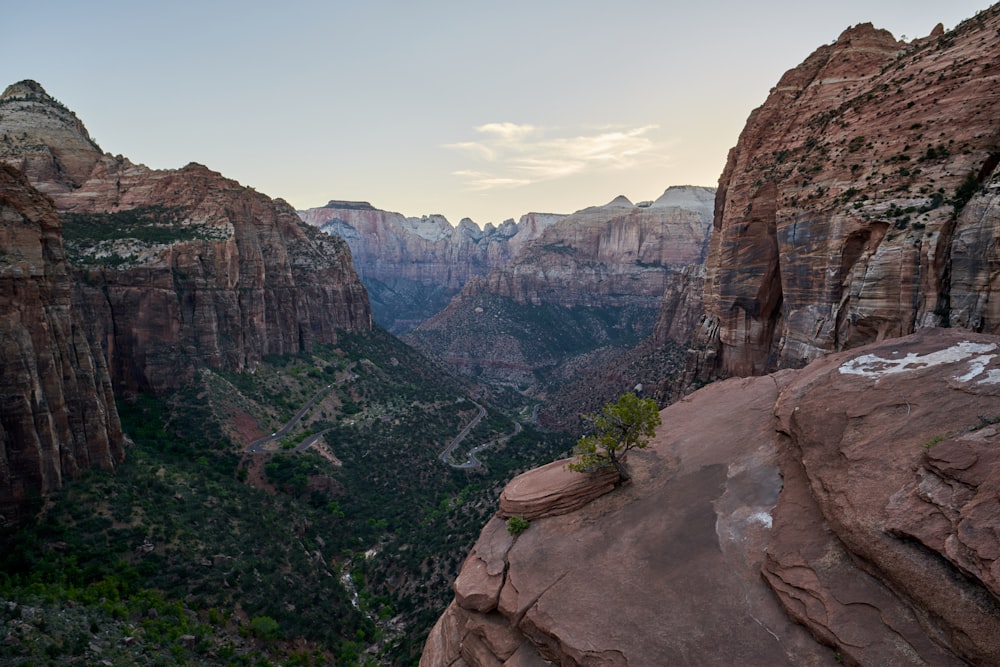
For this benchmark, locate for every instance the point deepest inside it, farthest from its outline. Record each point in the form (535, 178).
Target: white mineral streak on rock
(976, 367)
(874, 366)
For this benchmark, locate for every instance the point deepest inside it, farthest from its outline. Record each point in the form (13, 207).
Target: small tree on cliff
(626, 424)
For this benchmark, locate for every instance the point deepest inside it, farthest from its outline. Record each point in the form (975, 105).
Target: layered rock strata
(179, 268)
(618, 254)
(858, 202)
(57, 408)
(411, 266)
(594, 281)
(553, 489)
(859, 487)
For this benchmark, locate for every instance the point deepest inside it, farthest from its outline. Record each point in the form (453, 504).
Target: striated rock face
(865, 431)
(593, 281)
(412, 267)
(618, 254)
(862, 487)
(843, 215)
(553, 489)
(179, 268)
(57, 409)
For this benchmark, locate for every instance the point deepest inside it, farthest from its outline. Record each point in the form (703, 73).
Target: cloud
(478, 180)
(513, 155)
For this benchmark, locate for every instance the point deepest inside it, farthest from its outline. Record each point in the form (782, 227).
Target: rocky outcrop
(57, 409)
(848, 211)
(554, 489)
(591, 284)
(412, 267)
(861, 487)
(179, 268)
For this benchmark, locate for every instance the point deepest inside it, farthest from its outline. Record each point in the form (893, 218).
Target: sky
(466, 108)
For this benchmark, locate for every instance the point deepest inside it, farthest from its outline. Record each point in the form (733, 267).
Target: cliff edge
(57, 409)
(858, 487)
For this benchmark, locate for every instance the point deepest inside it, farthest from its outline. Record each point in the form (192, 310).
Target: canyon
(411, 266)
(821, 328)
(847, 330)
(587, 288)
(178, 268)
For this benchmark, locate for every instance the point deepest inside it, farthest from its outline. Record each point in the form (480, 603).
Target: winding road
(259, 445)
(471, 461)
(457, 440)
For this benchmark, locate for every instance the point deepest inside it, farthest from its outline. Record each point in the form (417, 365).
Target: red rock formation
(413, 266)
(835, 217)
(179, 268)
(553, 489)
(57, 410)
(878, 541)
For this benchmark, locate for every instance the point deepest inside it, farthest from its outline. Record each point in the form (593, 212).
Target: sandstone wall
(57, 409)
(618, 254)
(257, 282)
(841, 215)
(413, 266)
(587, 287)
(178, 268)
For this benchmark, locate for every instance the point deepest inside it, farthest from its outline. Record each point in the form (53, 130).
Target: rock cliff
(412, 267)
(178, 268)
(57, 408)
(588, 285)
(860, 487)
(858, 202)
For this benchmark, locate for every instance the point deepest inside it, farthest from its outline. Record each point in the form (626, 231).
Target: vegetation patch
(117, 238)
(176, 558)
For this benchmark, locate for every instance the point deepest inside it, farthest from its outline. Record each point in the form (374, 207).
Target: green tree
(264, 627)
(626, 424)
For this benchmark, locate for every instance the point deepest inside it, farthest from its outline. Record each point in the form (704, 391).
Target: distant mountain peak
(26, 88)
(620, 200)
(685, 196)
(45, 138)
(350, 205)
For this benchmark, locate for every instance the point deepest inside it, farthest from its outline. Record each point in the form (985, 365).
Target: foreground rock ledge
(882, 456)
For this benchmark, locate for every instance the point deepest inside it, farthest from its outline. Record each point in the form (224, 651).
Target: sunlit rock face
(412, 267)
(840, 513)
(592, 282)
(178, 268)
(843, 215)
(616, 254)
(57, 409)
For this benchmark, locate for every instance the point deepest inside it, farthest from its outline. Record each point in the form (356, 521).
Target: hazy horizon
(486, 112)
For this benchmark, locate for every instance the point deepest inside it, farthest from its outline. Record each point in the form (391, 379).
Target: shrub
(517, 525)
(264, 627)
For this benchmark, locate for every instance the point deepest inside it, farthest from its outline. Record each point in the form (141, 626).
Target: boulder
(554, 489)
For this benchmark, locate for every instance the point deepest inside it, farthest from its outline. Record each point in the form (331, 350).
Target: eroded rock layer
(57, 409)
(412, 267)
(858, 204)
(862, 487)
(588, 286)
(179, 268)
